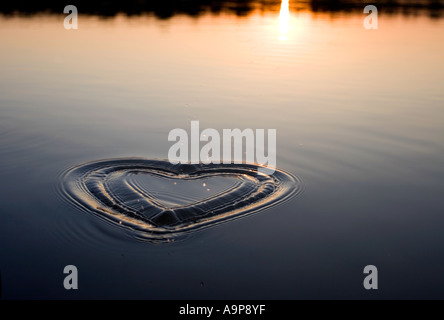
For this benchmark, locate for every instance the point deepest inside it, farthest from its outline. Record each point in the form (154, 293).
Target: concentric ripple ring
(107, 188)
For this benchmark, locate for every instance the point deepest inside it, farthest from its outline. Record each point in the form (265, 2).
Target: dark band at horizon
(195, 8)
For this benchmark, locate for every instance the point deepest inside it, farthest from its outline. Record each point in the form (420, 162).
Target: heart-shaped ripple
(163, 200)
(173, 193)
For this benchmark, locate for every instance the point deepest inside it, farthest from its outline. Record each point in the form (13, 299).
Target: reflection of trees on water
(166, 9)
(433, 8)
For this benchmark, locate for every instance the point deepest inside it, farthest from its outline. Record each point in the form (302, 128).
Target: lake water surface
(359, 116)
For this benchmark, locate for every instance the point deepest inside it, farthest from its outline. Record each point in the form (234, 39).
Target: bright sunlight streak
(284, 20)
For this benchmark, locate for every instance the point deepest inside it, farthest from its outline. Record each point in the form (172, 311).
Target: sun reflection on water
(284, 20)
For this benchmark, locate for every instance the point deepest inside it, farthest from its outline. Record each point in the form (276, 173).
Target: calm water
(359, 118)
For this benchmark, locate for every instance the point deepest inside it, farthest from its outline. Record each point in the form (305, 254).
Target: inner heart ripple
(162, 201)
